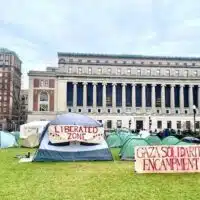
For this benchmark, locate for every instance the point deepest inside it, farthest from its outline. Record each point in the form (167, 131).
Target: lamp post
(194, 112)
(129, 124)
(150, 123)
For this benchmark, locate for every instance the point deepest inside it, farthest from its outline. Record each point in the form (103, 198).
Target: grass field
(89, 180)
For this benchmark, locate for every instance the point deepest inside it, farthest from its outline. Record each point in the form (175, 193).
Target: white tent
(32, 128)
(144, 134)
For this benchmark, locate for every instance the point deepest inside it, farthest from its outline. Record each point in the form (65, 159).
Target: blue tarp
(7, 140)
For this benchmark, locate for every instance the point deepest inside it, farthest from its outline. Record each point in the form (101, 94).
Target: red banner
(167, 159)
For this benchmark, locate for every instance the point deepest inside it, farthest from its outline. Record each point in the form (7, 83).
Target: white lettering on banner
(66, 133)
(167, 159)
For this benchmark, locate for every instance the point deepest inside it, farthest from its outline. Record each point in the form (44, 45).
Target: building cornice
(126, 56)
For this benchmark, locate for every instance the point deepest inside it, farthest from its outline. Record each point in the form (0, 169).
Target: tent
(17, 135)
(127, 151)
(31, 141)
(191, 140)
(34, 127)
(7, 140)
(181, 143)
(114, 141)
(170, 140)
(72, 151)
(144, 134)
(153, 140)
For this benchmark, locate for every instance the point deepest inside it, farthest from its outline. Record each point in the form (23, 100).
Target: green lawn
(89, 180)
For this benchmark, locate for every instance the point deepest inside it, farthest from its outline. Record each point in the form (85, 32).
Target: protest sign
(68, 133)
(167, 159)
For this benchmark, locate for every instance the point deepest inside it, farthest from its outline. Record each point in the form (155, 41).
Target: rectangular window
(70, 70)
(178, 124)
(167, 72)
(129, 71)
(195, 73)
(88, 61)
(188, 127)
(46, 83)
(1, 74)
(100, 70)
(41, 83)
(158, 72)
(109, 70)
(79, 70)
(148, 72)
(109, 124)
(6, 74)
(139, 72)
(4, 110)
(160, 63)
(119, 123)
(169, 124)
(177, 72)
(197, 125)
(5, 98)
(193, 64)
(118, 71)
(4, 104)
(89, 70)
(6, 80)
(186, 73)
(97, 61)
(159, 124)
(0, 97)
(1, 57)
(43, 107)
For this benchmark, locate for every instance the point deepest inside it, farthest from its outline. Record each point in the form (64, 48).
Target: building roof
(127, 56)
(7, 51)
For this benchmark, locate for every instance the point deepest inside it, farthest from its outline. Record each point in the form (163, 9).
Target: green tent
(153, 140)
(170, 140)
(114, 141)
(127, 151)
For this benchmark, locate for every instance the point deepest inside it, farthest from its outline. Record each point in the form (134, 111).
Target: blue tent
(7, 140)
(72, 151)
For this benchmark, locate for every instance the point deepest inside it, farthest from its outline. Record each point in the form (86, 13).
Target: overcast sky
(38, 29)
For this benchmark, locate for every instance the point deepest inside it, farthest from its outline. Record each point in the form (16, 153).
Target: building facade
(119, 90)
(24, 106)
(10, 86)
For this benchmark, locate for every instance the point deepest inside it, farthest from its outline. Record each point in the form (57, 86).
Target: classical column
(114, 96)
(163, 98)
(181, 99)
(191, 98)
(74, 95)
(199, 97)
(94, 95)
(153, 100)
(172, 102)
(104, 96)
(85, 96)
(143, 96)
(133, 97)
(123, 97)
